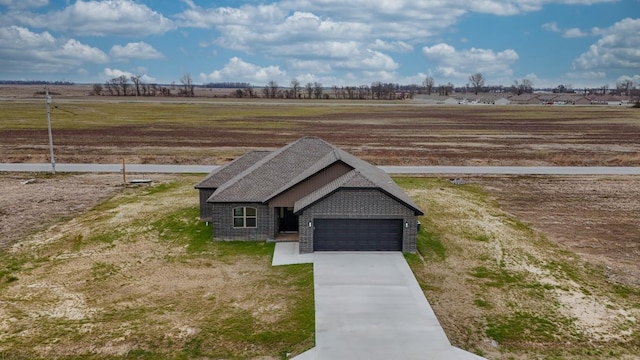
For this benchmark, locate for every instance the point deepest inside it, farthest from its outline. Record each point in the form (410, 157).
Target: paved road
(459, 170)
(370, 306)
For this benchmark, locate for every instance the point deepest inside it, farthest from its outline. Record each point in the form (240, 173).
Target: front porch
(287, 237)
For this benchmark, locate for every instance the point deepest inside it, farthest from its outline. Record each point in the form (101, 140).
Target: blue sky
(583, 43)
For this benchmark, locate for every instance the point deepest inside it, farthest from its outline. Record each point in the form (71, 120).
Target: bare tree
(309, 89)
(273, 89)
(109, 85)
(135, 79)
(317, 90)
(97, 89)
(445, 90)
(428, 84)
(624, 87)
(477, 81)
(187, 86)
(523, 87)
(295, 88)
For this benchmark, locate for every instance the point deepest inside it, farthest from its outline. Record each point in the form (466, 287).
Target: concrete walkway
(288, 253)
(369, 306)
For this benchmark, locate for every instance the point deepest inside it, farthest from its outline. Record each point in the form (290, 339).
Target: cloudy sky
(334, 42)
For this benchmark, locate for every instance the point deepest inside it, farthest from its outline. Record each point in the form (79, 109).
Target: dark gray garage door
(357, 235)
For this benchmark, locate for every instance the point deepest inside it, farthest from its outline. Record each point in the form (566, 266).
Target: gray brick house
(312, 192)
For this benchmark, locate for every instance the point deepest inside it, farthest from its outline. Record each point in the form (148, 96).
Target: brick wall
(361, 204)
(206, 209)
(223, 223)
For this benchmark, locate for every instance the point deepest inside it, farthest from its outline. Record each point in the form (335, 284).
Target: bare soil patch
(213, 132)
(594, 216)
(32, 202)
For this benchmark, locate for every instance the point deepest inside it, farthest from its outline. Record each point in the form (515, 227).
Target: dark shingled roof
(224, 173)
(280, 170)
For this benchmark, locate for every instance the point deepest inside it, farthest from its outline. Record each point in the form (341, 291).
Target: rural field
(515, 267)
(213, 131)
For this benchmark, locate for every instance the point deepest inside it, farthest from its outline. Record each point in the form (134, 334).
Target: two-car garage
(358, 235)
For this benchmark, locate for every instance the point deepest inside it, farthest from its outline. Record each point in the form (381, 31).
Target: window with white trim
(245, 217)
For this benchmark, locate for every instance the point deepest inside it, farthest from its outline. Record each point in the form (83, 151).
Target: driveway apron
(370, 306)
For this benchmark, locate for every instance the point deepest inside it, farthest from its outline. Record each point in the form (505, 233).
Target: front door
(288, 220)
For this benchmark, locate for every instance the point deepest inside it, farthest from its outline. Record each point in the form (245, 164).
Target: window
(245, 217)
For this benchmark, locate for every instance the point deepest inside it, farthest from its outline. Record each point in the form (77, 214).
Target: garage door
(357, 235)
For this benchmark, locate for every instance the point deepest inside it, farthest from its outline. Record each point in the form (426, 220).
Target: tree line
(133, 85)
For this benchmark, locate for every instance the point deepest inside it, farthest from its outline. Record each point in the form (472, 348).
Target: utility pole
(48, 102)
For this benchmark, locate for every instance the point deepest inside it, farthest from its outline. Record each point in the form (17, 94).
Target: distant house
(525, 99)
(312, 192)
(502, 101)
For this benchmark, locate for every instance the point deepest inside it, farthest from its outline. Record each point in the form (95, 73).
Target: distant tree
(317, 90)
(526, 86)
(187, 88)
(477, 82)
(563, 88)
(135, 79)
(446, 89)
(624, 87)
(428, 84)
(309, 89)
(273, 89)
(123, 83)
(295, 88)
(97, 89)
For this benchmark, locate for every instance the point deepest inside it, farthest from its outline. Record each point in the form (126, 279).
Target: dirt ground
(32, 202)
(597, 217)
(383, 133)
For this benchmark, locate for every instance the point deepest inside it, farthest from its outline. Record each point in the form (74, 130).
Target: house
(525, 99)
(312, 192)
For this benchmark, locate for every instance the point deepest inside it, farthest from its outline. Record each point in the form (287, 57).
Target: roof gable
(260, 181)
(356, 179)
(223, 174)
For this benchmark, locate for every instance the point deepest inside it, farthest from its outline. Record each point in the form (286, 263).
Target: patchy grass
(139, 277)
(90, 115)
(429, 245)
(492, 279)
(521, 327)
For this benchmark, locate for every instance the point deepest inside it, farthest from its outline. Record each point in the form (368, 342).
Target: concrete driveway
(370, 306)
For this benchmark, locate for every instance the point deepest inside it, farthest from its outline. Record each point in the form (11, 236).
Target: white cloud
(109, 73)
(135, 50)
(239, 70)
(566, 33)
(634, 78)
(398, 46)
(574, 33)
(551, 26)
(460, 64)
(23, 4)
(24, 51)
(586, 75)
(514, 7)
(618, 48)
(100, 18)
